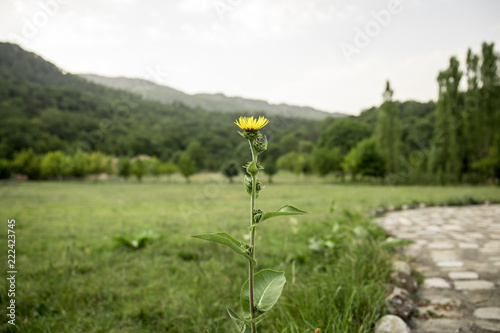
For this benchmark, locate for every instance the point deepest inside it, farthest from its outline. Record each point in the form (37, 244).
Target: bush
(365, 159)
(124, 167)
(99, 163)
(294, 162)
(27, 163)
(187, 166)
(168, 169)
(325, 160)
(81, 164)
(139, 168)
(270, 169)
(155, 167)
(5, 169)
(230, 170)
(55, 165)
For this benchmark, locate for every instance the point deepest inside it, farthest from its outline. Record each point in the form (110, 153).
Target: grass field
(73, 276)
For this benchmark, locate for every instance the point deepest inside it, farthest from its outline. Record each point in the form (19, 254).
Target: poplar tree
(472, 111)
(388, 132)
(489, 97)
(445, 160)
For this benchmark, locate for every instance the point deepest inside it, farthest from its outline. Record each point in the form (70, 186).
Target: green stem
(252, 240)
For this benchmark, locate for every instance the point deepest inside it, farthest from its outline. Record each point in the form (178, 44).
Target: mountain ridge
(45, 109)
(218, 102)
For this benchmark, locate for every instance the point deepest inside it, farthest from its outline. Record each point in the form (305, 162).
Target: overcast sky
(331, 55)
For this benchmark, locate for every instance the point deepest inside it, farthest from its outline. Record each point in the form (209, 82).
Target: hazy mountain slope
(46, 109)
(211, 102)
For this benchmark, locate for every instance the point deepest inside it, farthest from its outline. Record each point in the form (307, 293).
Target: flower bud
(253, 169)
(250, 135)
(257, 215)
(247, 181)
(260, 146)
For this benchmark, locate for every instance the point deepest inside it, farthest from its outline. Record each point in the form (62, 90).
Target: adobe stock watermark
(372, 29)
(202, 198)
(32, 24)
(154, 76)
(223, 7)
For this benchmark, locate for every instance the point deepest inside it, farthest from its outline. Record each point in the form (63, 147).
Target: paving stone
(426, 233)
(459, 236)
(488, 325)
(443, 300)
(453, 227)
(463, 275)
(468, 245)
(436, 283)
(464, 244)
(423, 269)
(475, 235)
(413, 252)
(489, 250)
(485, 268)
(450, 263)
(407, 235)
(473, 285)
(492, 244)
(441, 246)
(435, 294)
(405, 221)
(444, 255)
(439, 311)
(444, 325)
(479, 298)
(433, 228)
(487, 313)
(401, 266)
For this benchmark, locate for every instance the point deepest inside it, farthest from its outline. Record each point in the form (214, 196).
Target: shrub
(26, 162)
(5, 169)
(230, 170)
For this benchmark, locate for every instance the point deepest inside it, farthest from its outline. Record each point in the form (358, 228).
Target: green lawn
(74, 278)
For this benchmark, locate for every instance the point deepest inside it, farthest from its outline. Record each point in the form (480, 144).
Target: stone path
(457, 249)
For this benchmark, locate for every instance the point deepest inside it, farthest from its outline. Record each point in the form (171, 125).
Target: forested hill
(43, 108)
(210, 102)
(453, 140)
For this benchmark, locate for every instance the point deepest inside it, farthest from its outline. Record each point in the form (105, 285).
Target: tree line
(453, 141)
(51, 118)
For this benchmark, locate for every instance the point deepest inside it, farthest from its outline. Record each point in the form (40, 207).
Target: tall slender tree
(471, 109)
(388, 132)
(489, 97)
(445, 159)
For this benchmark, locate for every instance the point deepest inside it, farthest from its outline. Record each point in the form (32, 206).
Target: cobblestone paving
(457, 249)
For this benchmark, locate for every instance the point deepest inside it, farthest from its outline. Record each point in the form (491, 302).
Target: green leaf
(240, 323)
(226, 239)
(268, 285)
(285, 210)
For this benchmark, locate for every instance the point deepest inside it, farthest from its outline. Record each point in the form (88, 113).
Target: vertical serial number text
(11, 272)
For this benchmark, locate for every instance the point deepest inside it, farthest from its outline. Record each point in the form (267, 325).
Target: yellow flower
(251, 124)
